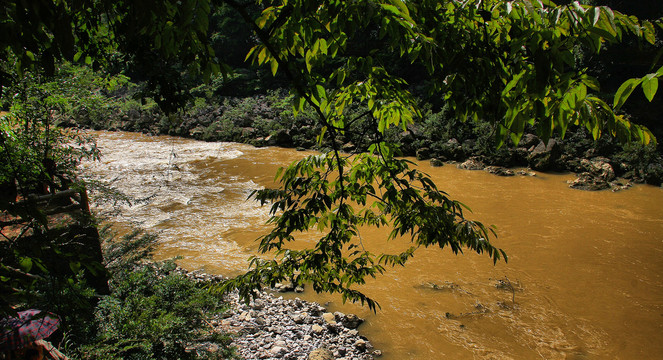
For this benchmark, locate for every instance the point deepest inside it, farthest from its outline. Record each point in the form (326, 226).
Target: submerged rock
(499, 171)
(436, 162)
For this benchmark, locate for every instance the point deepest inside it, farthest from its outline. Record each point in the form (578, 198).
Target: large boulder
(545, 157)
(436, 162)
(599, 167)
(529, 140)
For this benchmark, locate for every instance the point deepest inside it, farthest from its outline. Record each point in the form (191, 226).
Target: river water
(585, 267)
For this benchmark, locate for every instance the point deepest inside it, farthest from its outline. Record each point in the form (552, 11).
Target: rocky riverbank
(271, 327)
(266, 120)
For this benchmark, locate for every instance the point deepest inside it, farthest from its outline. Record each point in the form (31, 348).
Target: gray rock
(528, 140)
(599, 167)
(472, 164)
(499, 170)
(526, 172)
(544, 157)
(587, 181)
(351, 321)
(299, 318)
(436, 162)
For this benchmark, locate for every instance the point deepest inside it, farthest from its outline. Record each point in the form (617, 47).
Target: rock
(452, 150)
(618, 185)
(544, 157)
(258, 304)
(329, 318)
(350, 321)
(526, 172)
(653, 175)
(278, 328)
(360, 344)
(299, 318)
(499, 171)
(423, 154)
(321, 354)
(348, 147)
(317, 329)
(472, 164)
(600, 167)
(587, 181)
(377, 353)
(436, 162)
(278, 351)
(279, 138)
(528, 140)
(284, 287)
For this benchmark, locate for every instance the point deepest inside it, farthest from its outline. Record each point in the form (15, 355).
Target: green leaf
(624, 92)
(262, 55)
(513, 82)
(320, 92)
(659, 72)
(25, 263)
(649, 32)
(307, 60)
(274, 65)
(649, 86)
(591, 82)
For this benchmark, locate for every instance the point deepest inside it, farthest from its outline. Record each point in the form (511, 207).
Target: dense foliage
(153, 311)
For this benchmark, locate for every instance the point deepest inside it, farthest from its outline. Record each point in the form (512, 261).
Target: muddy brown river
(585, 267)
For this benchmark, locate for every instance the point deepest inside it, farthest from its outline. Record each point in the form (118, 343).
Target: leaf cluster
(376, 190)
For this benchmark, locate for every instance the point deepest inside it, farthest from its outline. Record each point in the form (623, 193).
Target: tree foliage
(513, 64)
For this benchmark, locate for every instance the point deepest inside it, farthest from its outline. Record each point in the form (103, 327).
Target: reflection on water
(584, 267)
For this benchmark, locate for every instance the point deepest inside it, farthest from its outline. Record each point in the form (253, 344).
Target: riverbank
(271, 327)
(267, 120)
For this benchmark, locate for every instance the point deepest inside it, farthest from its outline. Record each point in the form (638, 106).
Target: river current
(583, 281)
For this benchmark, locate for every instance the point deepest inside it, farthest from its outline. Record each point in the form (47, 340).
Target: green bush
(153, 311)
